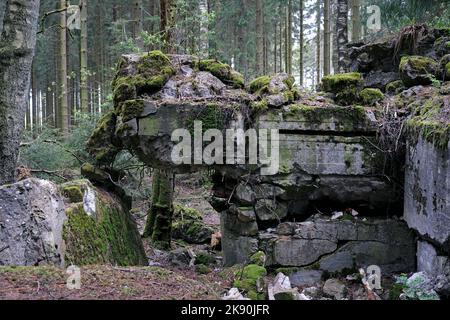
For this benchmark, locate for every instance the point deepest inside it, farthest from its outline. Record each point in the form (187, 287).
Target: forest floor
(110, 283)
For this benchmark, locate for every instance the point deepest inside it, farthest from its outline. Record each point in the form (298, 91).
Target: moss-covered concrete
(428, 122)
(153, 71)
(338, 82)
(109, 236)
(222, 71)
(395, 87)
(102, 144)
(371, 96)
(131, 109)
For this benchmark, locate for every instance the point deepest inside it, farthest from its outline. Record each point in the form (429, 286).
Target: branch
(52, 173)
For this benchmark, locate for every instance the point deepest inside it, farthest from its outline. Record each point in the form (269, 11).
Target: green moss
(222, 71)
(249, 279)
(101, 144)
(259, 106)
(427, 122)
(110, 237)
(420, 64)
(371, 96)
(153, 71)
(260, 85)
(396, 291)
(447, 68)
(395, 87)
(73, 193)
(338, 82)
(259, 258)
(186, 213)
(131, 109)
(212, 117)
(202, 269)
(346, 117)
(348, 96)
(205, 259)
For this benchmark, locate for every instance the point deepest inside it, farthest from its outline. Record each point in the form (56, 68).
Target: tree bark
(2, 14)
(84, 74)
(326, 40)
(17, 45)
(356, 20)
(259, 38)
(301, 43)
(167, 24)
(342, 33)
(137, 18)
(318, 42)
(159, 220)
(63, 114)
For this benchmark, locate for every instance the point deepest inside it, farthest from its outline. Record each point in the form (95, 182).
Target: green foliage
(250, 279)
(50, 152)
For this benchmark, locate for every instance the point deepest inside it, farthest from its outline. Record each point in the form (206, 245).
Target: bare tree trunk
(301, 43)
(289, 37)
(63, 114)
(84, 74)
(326, 40)
(342, 33)
(356, 20)
(17, 44)
(318, 42)
(137, 25)
(167, 24)
(259, 38)
(2, 14)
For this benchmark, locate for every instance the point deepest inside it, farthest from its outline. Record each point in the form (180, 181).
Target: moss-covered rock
(251, 280)
(430, 122)
(371, 96)
(188, 225)
(273, 91)
(102, 145)
(204, 258)
(222, 71)
(395, 87)
(152, 72)
(260, 85)
(417, 70)
(259, 258)
(131, 109)
(99, 230)
(338, 82)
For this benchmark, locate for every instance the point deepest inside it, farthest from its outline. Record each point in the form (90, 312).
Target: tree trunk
(326, 40)
(17, 44)
(318, 42)
(159, 221)
(2, 14)
(342, 33)
(84, 74)
(63, 114)
(301, 44)
(137, 25)
(289, 37)
(167, 24)
(259, 38)
(356, 20)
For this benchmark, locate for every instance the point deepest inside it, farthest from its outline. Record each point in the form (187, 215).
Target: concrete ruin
(331, 160)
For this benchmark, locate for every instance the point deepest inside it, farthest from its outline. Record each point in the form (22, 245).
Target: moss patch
(259, 258)
(131, 109)
(222, 71)
(101, 144)
(395, 87)
(370, 96)
(153, 71)
(429, 122)
(338, 82)
(250, 279)
(260, 85)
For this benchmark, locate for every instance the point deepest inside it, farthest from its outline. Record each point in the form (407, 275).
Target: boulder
(251, 280)
(335, 289)
(188, 225)
(280, 289)
(32, 215)
(418, 70)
